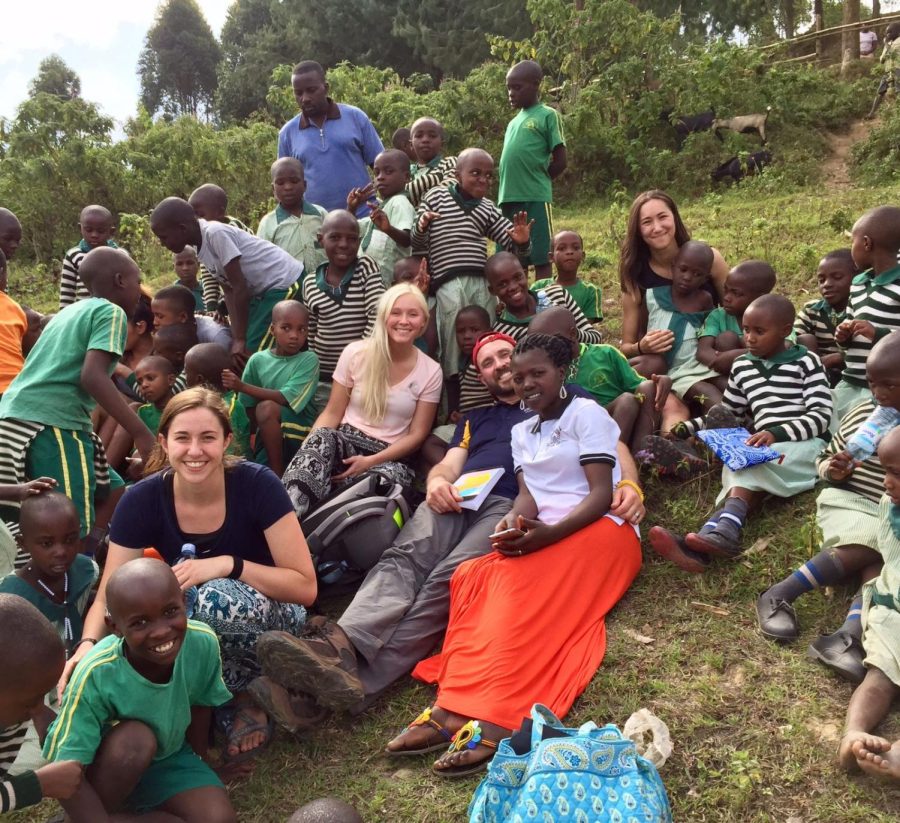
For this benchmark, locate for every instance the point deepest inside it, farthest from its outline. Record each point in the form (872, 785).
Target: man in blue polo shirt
(334, 142)
(400, 612)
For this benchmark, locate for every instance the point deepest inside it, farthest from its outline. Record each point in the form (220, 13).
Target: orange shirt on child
(13, 326)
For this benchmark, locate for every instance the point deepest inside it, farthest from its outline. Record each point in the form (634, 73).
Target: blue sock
(853, 622)
(710, 524)
(825, 569)
(732, 518)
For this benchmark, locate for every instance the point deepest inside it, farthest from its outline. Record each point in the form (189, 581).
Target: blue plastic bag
(591, 775)
(730, 446)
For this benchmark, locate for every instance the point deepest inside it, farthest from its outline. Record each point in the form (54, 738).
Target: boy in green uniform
(187, 269)
(295, 223)
(604, 372)
(568, 254)
(384, 234)
(137, 709)
(45, 415)
(534, 154)
(278, 386)
(431, 168)
(155, 377)
(204, 366)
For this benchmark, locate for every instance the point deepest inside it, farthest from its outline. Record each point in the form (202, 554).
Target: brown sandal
(424, 719)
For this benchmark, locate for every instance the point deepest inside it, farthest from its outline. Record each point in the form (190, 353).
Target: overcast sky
(99, 39)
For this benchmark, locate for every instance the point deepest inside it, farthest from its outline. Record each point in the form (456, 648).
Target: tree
(177, 66)
(55, 77)
(850, 37)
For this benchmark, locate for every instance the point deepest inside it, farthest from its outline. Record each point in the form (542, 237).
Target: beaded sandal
(424, 719)
(469, 737)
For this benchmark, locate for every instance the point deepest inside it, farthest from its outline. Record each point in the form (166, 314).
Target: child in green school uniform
(567, 254)
(534, 155)
(431, 167)
(45, 415)
(384, 234)
(155, 378)
(277, 387)
(187, 269)
(295, 222)
(204, 365)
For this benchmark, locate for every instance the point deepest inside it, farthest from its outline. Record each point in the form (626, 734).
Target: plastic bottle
(863, 443)
(189, 552)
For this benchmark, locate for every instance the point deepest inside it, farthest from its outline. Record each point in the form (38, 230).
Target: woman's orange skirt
(531, 629)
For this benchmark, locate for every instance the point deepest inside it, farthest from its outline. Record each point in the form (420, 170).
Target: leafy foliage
(178, 64)
(876, 160)
(56, 77)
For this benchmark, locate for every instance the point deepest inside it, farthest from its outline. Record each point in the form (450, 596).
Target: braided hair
(555, 346)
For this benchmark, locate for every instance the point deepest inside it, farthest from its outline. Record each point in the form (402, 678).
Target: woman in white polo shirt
(384, 396)
(527, 621)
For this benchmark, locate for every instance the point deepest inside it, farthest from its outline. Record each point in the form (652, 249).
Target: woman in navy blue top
(252, 570)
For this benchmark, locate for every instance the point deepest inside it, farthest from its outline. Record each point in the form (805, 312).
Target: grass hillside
(755, 726)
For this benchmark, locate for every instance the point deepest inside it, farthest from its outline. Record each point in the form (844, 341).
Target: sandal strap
(425, 719)
(469, 736)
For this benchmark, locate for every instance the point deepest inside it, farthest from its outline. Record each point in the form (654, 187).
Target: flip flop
(235, 736)
(424, 719)
(468, 737)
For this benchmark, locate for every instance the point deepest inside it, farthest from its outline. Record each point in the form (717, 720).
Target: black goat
(689, 123)
(737, 169)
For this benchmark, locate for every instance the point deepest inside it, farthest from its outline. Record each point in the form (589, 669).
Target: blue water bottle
(189, 552)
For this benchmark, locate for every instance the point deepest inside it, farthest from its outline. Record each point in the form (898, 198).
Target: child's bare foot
(853, 739)
(881, 760)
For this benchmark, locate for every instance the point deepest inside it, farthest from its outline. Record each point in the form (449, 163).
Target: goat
(689, 123)
(737, 169)
(744, 124)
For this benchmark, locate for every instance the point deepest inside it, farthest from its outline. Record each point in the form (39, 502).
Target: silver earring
(563, 394)
(522, 405)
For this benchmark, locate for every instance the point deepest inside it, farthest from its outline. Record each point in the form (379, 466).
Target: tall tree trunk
(876, 8)
(850, 38)
(819, 24)
(789, 18)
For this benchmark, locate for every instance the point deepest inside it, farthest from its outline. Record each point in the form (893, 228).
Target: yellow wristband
(633, 485)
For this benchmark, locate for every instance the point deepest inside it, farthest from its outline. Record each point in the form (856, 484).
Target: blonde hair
(195, 398)
(376, 353)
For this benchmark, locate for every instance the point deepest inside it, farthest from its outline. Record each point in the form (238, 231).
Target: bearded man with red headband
(400, 612)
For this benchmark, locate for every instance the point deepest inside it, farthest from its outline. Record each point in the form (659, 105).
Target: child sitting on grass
(57, 580)
(31, 642)
(567, 254)
(872, 699)
(873, 308)
(818, 319)
(603, 371)
(295, 223)
(136, 712)
(97, 227)
(721, 337)
(277, 388)
(431, 167)
(174, 305)
(385, 232)
(683, 308)
(187, 269)
(783, 389)
(451, 226)
(847, 514)
(205, 365)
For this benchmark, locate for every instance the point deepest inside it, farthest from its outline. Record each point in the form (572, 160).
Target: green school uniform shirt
(296, 235)
(401, 214)
(296, 377)
(718, 321)
(588, 296)
(197, 291)
(151, 416)
(48, 390)
(105, 688)
(530, 139)
(604, 372)
(240, 425)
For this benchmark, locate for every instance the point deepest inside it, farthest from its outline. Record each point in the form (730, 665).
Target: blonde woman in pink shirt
(384, 396)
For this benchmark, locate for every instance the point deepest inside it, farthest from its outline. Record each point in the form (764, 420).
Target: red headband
(489, 337)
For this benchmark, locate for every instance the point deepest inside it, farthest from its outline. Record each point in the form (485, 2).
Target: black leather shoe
(842, 653)
(721, 417)
(777, 619)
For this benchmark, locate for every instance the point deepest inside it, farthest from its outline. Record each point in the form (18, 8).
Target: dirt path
(835, 168)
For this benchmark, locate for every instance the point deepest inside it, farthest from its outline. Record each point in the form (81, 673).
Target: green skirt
(794, 474)
(846, 519)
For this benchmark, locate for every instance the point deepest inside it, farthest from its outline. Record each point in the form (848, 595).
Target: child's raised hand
(423, 276)
(762, 438)
(425, 219)
(60, 780)
(359, 196)
(380, 219)
(520, 233)
(36, 486)
(231, 381)
(663, 387)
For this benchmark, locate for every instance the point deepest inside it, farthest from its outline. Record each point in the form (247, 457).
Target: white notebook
(473, 487)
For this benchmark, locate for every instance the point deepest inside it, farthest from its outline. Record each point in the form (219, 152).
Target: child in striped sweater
(451, 226)
(873, 309)
(783, 390)
(97, 228)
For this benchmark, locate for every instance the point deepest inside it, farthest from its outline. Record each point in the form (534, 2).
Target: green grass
(755, 726)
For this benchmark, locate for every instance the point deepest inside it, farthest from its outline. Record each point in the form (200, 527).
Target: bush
(876, 160)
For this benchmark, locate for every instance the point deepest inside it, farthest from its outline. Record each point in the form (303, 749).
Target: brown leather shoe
(294, 712)
(669, 545)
